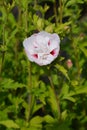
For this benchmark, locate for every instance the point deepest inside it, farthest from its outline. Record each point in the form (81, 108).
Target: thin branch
(55, 12)
(61, 10)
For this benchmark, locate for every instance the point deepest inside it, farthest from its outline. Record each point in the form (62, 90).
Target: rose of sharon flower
(42, 48)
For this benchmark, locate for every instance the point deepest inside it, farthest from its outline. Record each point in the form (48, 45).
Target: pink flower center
(35, 46)
(49, 43)
(35, 56)
(53, 52)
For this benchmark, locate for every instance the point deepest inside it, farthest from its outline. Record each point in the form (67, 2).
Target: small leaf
(64, 114)
(9, 124)
(53, 102)
(65, 93)
(84, 50)
(10, 84)
(69, 98)
(48, 119)
(37, 107)
(50, 28)
(36, 120)
(40, 24)
(36, 123)
(80, 90)
(62, 70)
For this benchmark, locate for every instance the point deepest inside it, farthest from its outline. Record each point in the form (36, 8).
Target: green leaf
(72, 2)
(36, 123)
(3, 115)
(12, 36)
(9, 124)
(58, 126)
(62, 27)
(79, 90)
(53, 102)
(62, 70)
(65, 89)
(48, 119)
(36, 120)
(84, 50)
(83, 47)
(65, 93)
(64, 115)
(50, 28)
(40, 24)
(68, 95)
(72, 99)
(31, 128)
(10, 84)
(37, 107)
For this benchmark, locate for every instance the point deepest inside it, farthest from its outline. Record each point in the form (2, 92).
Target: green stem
(35, 3)
(3, 52)
(56, 97)
(2, 62)
(61, 10)
(29, 89)
(30, 96)
(55, 12)
(26, 18)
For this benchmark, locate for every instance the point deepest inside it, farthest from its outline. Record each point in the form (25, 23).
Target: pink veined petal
(49, 43)
(35, 47)
(35, 56)
(53, 52)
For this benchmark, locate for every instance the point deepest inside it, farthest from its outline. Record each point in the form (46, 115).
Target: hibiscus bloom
(42, 48)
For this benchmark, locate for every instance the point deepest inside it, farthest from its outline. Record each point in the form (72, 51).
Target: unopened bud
(69, 63)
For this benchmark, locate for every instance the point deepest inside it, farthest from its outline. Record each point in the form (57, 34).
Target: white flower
(42, 48)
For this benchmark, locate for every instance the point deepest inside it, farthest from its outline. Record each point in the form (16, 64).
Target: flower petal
(54, 42)
(42, 48)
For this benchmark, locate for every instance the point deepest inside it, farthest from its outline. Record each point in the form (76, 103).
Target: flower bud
(69, 63)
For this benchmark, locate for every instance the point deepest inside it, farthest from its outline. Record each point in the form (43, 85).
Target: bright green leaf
(9, 124)
(36, 120)
(62, 70)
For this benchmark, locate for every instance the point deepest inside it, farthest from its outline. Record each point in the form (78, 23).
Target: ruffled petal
(54, 42)
(42, 48)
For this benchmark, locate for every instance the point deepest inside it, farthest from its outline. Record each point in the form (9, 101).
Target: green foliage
(10, 84)
(52, 97)
(63, 70)
(9, 124)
